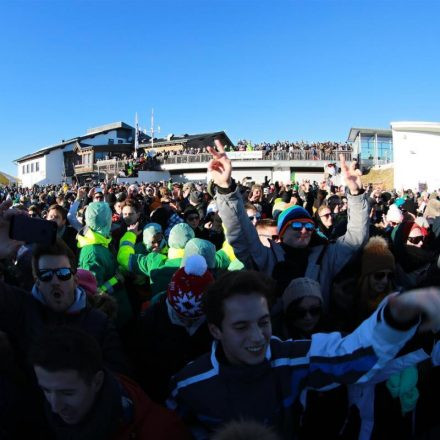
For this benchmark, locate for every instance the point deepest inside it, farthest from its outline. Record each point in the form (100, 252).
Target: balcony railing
(271, 155)
(113, 166)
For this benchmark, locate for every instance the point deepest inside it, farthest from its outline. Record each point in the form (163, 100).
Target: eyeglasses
(416, 240)
(63, 274)
(328, 215)
(381, 275)
(297, 226)
(254, 217)
(299, 313)
(193, 217)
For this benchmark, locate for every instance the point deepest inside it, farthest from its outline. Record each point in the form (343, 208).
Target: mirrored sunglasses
(297, 226)
(63, 274)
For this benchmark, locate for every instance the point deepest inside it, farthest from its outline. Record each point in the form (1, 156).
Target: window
(32, 167)
(111, 141)
(27, 168)
(23, 169)
(37, 166)
(120, 141)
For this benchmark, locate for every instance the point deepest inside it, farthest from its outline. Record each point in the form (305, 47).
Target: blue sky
(260, 70)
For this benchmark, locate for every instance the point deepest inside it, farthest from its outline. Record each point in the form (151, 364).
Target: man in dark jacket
(85, 401)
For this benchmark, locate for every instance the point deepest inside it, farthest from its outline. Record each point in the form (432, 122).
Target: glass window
(37, 166)
(32, 167)
(27, 168)
(23, 169)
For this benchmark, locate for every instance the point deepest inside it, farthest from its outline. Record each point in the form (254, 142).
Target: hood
(79, 304)
(91, 237)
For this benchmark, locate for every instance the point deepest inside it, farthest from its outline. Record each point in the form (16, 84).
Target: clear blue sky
(260, 70)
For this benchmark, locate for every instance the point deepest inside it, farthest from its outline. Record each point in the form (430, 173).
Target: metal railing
(113, 166)
(271, 155)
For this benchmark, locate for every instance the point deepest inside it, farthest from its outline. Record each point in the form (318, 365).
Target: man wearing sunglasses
(300, 253)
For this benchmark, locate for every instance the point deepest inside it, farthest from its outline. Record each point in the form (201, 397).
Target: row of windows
(30, 168)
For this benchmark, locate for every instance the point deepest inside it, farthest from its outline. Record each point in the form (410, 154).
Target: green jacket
(96, 257)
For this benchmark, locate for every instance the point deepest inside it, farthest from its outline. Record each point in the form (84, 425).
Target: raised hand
(8, 247)
(407, 306)
(219, 166)
(134, 228)
(351, 175)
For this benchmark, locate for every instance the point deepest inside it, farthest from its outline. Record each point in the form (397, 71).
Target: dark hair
(59, 209)
(58, 248)
(241, 282)
(68, 348)
(132, 203)
(190, 211)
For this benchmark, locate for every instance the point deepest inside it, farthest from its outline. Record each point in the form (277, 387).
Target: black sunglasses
(63, 274)
(381, 275)
(416, 240)
(299, 313)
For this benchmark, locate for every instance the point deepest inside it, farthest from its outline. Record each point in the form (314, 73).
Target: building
(371, 146)
(56, 163)
(416, 155)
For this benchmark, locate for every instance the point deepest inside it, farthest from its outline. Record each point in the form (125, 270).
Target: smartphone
(32, 230)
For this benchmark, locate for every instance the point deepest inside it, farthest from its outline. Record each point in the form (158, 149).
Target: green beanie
(180, 234)
(99, 218)
(198, 246)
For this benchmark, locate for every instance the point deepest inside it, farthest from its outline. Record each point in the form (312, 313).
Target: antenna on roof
(152, 128)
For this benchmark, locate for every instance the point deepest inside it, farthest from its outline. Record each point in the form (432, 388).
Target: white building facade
(416, 152)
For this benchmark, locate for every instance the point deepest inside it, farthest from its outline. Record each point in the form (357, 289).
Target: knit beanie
(376, 256)
(300, 288)
(394, 214)
(289, 215)
(186, 289)
(180, 234)
(149, 232)
(198, 246)
(99, 218)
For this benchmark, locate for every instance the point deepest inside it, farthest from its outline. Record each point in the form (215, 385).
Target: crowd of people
(225, 310)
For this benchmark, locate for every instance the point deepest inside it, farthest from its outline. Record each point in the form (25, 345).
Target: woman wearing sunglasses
(377, 277)
(412, 252)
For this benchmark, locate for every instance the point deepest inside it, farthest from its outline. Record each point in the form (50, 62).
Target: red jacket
(150, 420)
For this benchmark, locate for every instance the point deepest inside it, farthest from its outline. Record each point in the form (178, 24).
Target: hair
(131, 203)
(242, 282)
(59, 248)
(322, 208)
(244, 430)
(266, 223)
(190, 211)
(250, 206)
(59, 209)
(68, 348)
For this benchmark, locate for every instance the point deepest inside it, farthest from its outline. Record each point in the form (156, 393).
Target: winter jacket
(25, 317)
(166, 348)
(97, 258)
(215, 392)
(121, 411)
(323, 263)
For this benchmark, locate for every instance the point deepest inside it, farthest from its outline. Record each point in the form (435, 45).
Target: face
(157, 240)
(379, 281)
(56, 217)
(129, 215)
(305, 315)
(59, 295)
(68, 395)
(297, 239)
(326, 217)
(98, 197)
(253, 215)
(118, 207)
(193, 220)
(256, 193)
(266, 234)
(246, 329)
(415, 238)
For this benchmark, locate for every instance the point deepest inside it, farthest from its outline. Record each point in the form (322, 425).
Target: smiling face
(326, 217)
(246, 329)
(68, 395)
(297, 239)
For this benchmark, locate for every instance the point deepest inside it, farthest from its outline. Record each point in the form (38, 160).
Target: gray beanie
(180, 234)
(300, 288)
(198, 246)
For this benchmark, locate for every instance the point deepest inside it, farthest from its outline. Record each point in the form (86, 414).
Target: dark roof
(90, 132)
(188, 137)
